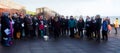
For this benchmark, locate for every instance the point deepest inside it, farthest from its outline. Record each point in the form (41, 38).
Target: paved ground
(65, 45)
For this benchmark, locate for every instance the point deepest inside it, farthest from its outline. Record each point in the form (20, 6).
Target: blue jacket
(105, 26)
(72, 23)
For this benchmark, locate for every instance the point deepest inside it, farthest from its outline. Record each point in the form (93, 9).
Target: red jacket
(41, 27)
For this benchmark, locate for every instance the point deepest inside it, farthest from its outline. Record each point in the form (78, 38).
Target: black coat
(18, 24)
(5, 22)
(63, 22)
(28, 23)
(88, 25)
(93, 25)
(80, 25)
(35, 21)
(66, 23)
(98, 23)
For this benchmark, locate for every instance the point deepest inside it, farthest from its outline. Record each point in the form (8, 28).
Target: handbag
(109, 27)
(77, 35)
(18, 35)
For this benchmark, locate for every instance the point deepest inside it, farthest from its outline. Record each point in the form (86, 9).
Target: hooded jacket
(71, 23)
(105, 26)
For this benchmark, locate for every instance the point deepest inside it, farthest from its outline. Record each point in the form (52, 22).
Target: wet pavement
(65, 45)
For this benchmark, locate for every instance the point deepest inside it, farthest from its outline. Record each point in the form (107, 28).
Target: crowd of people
(18, 26)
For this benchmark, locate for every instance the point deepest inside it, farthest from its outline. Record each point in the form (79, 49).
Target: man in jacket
(72, 25)
(98, 25)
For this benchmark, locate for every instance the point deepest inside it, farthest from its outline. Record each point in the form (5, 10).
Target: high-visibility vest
(116, 23)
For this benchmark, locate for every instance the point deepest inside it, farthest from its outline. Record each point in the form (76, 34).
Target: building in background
(46, 12)
(11, 6)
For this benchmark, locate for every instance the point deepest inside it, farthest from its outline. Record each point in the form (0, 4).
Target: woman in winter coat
(80, 26)
(88, 27)
(6, 30)
(56, 25)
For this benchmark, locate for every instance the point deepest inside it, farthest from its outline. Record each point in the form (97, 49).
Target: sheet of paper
(7, 31)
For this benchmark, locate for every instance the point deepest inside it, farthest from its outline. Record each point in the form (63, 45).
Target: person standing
(98, 27)
(26, 22)
(104, 29)
(17, 26)
(56, 25)
(63, 25)
(88, 27)
(6, 29)
(35, 25)
(116, 25)
(80, 26)
(93, 27)
(71, 25)
(22, 31)
(14, 17)
(50, 26)
(66, 26)
(28, 25)
(41, 27)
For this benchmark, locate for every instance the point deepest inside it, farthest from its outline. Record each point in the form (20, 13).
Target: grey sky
(76, 7)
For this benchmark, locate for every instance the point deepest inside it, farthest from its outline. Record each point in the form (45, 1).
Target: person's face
(21, 16)
(63, 17)
(80, 20)
(29, 17)
(52, 17)
(95, 17)
(98, 16)
(104, 19)
(88, 17)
